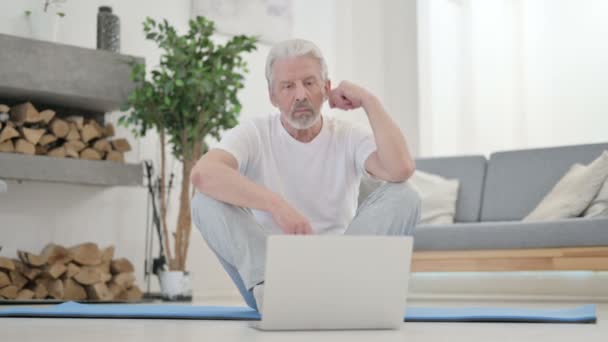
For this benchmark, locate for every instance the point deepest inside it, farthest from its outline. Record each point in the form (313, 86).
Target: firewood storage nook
(57, 97)
(54, 101)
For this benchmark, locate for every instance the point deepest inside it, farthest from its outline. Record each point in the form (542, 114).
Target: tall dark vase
(108, 30)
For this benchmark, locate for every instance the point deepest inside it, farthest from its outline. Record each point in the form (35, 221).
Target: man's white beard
(303, 120)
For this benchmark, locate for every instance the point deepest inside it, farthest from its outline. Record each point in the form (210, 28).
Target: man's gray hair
(294, 48)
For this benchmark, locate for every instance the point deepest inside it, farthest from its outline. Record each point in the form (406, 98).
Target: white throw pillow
(438, 196)
(599, 205)
(573, 193)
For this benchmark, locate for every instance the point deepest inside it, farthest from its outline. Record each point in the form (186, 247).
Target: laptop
(335, 282)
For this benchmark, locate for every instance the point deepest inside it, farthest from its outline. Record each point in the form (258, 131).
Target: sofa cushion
(599, 205)
(470, 171)
(438, 196)
(573, 193)
(572, 232)
(516, 181)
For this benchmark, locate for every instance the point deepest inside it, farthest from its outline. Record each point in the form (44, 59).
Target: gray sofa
(495, 194)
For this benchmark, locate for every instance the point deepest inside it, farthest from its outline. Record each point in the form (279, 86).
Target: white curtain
(509, 74)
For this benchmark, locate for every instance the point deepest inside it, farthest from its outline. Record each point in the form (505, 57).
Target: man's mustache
(303, 105)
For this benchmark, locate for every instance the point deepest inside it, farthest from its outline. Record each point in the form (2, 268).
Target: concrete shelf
(73, 171)
(62, 75)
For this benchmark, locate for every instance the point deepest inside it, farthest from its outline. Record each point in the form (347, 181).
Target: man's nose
(300, 92)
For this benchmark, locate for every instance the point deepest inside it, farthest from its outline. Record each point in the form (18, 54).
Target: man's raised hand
(347, 96)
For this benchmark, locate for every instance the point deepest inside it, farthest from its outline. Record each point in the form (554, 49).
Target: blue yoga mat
(581, 314)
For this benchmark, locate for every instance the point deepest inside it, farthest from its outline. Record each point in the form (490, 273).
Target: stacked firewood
(23, 129)
(83, 272)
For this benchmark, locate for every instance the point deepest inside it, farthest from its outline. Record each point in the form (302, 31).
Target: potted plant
(190, 96)
(44, 19)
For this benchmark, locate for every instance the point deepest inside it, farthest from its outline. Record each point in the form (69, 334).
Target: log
(59, 128)
(25, 113)
(58, 152)
(47, 139)
(121, 145)
(90, 132)
(25, 294)
(86, 254)
(7, 147)
(90, 154)
(55, 288)
(25, 147)
(97, 126)
(4, 279)
(102, 146)
(40, 291)
(134, 294)
(73, 291)
(56, 270)
(8, 133)
(99, 291)
(29, 272)
(77, 119)
(121, 265)
(73, 133)
(9, 292)
(56, 254)
(104, 267)
(75, 145)
(116, 156)
(32, 135)
(47, 115)
(104, 270)
(4, 108)
(31, 259)
(71, 153)
(17, 279)
(125, 280)
(116, 290)
(106, 277)
(41, 150)
(6, 264)
(107, 255)
(88, 276)
(72, 270)
(109, 130)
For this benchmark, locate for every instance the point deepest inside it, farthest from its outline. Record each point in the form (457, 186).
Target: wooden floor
(547, 259)
(106, 330)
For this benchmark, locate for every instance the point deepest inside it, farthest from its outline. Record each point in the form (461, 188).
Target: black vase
(108, 30)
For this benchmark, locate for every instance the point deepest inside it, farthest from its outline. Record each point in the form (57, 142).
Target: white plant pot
(175, 285)
(44, 25)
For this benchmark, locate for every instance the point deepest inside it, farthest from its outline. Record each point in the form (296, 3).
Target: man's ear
(327, 89)
(272, 98)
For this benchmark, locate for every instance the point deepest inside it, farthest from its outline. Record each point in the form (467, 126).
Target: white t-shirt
(320, 178)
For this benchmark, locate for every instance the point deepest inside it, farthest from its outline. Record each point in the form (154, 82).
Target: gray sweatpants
(239, 241)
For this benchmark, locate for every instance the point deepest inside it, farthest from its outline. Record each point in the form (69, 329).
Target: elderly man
(299, 171)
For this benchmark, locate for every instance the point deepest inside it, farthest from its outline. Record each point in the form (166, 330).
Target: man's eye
(309, 83)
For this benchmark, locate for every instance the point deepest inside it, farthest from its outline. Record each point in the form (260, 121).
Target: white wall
(376, 46)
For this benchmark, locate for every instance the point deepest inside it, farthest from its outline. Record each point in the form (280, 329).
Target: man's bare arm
(216, 175)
